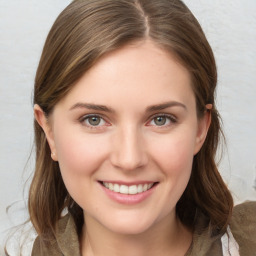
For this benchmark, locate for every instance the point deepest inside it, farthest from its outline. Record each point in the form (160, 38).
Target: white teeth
(131, 190)
(106, 184)
(140, 188)
(116, 188)
(124, 189)
(111, 186)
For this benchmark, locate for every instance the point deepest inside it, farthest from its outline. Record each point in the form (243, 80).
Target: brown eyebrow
(110, 110)
(92, 107)
(164, 106)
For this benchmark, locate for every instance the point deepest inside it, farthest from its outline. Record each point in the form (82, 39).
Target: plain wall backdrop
(230, 27)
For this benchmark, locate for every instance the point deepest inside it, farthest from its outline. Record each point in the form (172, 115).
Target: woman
(126, 132)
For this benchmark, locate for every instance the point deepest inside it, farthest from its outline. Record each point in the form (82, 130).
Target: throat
(161, 240)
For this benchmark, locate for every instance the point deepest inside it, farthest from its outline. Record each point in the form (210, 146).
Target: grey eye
(160, 120)
(94, 120)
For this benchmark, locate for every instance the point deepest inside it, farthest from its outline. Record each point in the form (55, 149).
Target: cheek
(175, 153)
(79, 158)
(79, 154)
(174, 157)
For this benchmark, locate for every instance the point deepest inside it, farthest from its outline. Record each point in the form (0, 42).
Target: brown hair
(83, 33)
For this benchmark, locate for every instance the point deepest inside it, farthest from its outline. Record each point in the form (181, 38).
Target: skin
(129, 144)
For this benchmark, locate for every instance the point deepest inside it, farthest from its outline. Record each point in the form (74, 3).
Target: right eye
(93, 121)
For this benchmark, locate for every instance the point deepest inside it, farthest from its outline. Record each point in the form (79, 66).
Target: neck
(166, 236)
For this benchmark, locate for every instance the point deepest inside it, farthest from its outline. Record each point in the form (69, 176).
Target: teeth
(150, 185)
(128, 190)
(106, 184)
(133, 190)
(140, 188)
(111, 186)
(116, 188)
(123, 189)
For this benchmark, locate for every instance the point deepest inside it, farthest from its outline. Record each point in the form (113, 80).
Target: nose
(129, 150)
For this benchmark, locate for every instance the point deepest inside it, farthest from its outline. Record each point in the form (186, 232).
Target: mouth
(133, 189)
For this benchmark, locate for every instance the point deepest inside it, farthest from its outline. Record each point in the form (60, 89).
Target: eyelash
(82, 120)
(172, 120)
(86, 117)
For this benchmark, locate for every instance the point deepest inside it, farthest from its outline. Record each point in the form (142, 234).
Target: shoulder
(40, 248)
(243, 227)
(204, 242)
(66, 242)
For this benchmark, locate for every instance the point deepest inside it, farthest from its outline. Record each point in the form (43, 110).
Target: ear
(203, 127)
(43, 121)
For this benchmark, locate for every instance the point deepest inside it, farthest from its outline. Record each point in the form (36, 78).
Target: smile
(128, 190)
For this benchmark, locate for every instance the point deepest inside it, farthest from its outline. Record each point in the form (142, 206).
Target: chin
(130, 225)
(130, 229)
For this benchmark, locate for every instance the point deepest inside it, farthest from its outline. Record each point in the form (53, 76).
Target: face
(125, 137)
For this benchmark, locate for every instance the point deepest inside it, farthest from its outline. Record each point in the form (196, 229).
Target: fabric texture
(229, 244)
(240, 236)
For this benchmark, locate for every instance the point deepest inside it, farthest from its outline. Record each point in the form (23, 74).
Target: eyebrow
(165, 105)
(92, 107)
(104, 108)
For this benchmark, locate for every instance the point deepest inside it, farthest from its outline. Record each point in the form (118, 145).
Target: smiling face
(125, 137)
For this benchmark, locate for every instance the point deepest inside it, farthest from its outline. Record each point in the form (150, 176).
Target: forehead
(134, 73)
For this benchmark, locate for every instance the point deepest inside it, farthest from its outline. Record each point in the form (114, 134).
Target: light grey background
(230, 26)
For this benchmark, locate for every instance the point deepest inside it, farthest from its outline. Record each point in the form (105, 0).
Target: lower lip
(126, 198)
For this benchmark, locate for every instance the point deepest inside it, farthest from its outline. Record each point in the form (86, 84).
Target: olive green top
(243, 228)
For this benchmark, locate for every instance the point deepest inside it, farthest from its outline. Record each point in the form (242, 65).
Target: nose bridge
(129, 152)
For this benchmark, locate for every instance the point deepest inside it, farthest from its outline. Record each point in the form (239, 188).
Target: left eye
(93, 121)
(162, 120)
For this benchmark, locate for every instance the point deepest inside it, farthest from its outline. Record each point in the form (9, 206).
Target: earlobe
(45, 125)
(203, 127)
